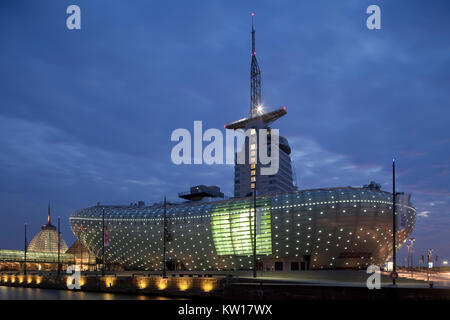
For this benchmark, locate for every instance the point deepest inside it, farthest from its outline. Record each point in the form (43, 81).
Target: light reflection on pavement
(440, 279)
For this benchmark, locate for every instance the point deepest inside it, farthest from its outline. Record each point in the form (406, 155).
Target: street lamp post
(25, 252)
(164, 238)
(394, 258)
(59, 246)
(81, 255)
(103, 242)
(411, 240)
(429, 256)
(408, 246)
(254, 231)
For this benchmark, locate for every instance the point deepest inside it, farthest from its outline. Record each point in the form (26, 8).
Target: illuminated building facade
(82, 256)
(14, 260)
(248, 176)
(47, 239)
(310, 229)
(42, 252)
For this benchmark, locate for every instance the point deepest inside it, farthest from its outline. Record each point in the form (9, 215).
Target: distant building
(42, 252)
(82, 256)
(47, 239)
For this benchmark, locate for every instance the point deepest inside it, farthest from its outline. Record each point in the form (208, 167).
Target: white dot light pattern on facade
(322, 228)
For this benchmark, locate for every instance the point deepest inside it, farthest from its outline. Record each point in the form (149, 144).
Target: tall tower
(255, 78)
(248, 176)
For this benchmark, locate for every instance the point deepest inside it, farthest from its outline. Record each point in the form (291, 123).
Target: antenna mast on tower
(255, 78)
(48, 218)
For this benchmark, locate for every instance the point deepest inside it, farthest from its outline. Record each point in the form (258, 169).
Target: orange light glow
(143, 283)
(161, 283)
(207, 285)
(68, 281)
(184, 284)
(109, 281)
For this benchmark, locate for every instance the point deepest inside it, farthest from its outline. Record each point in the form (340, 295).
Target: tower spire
(253, 35)
(48, 218)
(255, 77)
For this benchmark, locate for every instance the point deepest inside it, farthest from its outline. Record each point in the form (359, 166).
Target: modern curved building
(309, 229)
(317, 229)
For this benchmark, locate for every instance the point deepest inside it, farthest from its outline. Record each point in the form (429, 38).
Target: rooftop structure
(200, 192)
(47, 239)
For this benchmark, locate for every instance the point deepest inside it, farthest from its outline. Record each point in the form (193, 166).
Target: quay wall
(182, 286)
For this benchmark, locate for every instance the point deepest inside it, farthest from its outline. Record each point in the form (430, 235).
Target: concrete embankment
(188, 286)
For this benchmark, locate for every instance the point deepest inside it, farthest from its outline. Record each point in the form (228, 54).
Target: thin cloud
(424, 214)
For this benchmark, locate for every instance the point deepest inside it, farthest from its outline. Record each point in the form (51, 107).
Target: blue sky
(87, 115)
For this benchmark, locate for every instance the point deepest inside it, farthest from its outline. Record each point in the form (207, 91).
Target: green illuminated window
(232, 229)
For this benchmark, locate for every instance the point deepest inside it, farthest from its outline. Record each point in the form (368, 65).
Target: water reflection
(17, 293)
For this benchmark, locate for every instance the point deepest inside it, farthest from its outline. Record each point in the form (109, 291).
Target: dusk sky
(86, 115)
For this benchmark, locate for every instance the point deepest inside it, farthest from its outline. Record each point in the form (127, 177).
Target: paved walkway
(440, 279)
(314, 277)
